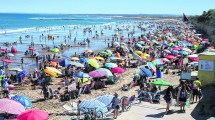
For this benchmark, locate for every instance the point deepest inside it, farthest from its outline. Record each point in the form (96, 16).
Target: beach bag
(183, 94)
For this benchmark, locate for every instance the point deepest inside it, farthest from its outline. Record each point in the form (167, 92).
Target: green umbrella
(105, 53)
(161, 83)
(55, 50)
(93, 63)
(109, 51)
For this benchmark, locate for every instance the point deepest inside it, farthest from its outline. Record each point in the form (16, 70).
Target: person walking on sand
(168, 98)
(116, 105)
(183, 98)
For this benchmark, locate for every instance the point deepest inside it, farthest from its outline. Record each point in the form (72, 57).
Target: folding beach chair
(69, 109)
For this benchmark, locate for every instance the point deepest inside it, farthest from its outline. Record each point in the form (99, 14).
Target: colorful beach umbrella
(26, 102)
(110, 65)
(93, 104)
(93, 63)
(83, 60)
(6, 60)
(151, 65)
(108, 72)
(54, 70)
(105, 53)
(99, 58)
(55, 50)
(161, 83)
(97, 73)
(15, 69)
(51, 73)
(146, 72)
(33, 115)
(10, 54)
(109, 51)
(158, 62)
(170, 57)
(117, 70)
(11, 106)
(23, 73)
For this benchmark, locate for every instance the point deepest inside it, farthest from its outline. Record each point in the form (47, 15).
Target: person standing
(116, 105)
(168, 98)
(183, 98)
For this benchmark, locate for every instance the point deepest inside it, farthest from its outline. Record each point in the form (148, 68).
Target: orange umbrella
(53, 63)
(118, 55)
(88, 51)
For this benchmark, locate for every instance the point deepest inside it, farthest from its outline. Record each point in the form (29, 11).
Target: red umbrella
(31, 48)
(170, 57)
(33, 115)
(98, 73)
(117, 70)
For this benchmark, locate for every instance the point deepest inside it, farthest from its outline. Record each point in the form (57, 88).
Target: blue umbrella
(183, 52)
(23, 73)
(83, 75)
(65, 63)
(64, 56)
(146, 72)
(174, 51)
(83, 60)
(110, 65)
(1, 72)
(26, 102)
(93, 104)
(106, 99)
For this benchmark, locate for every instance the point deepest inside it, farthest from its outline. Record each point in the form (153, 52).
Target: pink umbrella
(7, 60)
(170, 57)
(117, 70)
(33, 115)
(11, 106)
(122, 38)
(177, 48)
(193, 57)
(98, 73)
(31, 48)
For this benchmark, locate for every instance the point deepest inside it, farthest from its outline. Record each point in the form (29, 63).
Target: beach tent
(206, 71)
(64, 63)
(94, 105)
(106, 99)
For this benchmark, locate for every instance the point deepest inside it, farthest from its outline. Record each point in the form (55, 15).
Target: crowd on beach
(164, 47)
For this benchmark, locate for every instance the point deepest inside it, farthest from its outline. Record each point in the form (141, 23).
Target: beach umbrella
(6, 60)
(88, 51)
(54, 70)
(99, 58)
(177, 48)
(167, 51)
(15, 69)
(26, 102)
(109, 51)
(170, 57)
(193, 57)
(31, 49)
(106, 99)
(93, 63)
(116, 44)
(51, 73)
(110, 65)
(112, 58)
(79, 65)
(11, 106)
(117, 70)
(83, 60)
(165, 60)
(158, 62)
(161, 83)
(139, 45)
(97, 73)
(55, 50)
(33, 115)
(105, 53)
(75, 59)
(183, 52)
(64, 56)
(93, 104)
(146, 72)
(108, 72)
(138, 52)
(65, 63)
(151, 65)
(23, 73)
(174, 51)
(10, 55)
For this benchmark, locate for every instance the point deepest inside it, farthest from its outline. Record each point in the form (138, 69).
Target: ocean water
(14, 26)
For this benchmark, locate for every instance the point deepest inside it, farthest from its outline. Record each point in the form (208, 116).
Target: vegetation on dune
(206, 16)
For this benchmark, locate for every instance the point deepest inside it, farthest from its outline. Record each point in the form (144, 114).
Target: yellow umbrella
(75, 58)
(99, 58)
(146, 55)
(138, 52)
(50, 73)
(93, 63)
(54, 70)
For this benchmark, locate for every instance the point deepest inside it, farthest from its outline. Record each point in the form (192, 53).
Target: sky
(189, 7)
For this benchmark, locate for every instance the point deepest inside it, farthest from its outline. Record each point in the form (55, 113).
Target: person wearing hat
(116, 105)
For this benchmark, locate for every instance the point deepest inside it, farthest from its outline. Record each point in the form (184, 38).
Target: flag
(185, 19)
